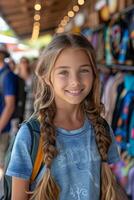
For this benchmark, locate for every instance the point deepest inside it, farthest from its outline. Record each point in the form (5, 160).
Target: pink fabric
(132, 133)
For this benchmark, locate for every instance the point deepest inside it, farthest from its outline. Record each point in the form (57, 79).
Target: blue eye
(63, 72)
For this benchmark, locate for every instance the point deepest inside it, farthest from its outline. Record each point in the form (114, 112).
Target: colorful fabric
(121, 131)
(108, 54)
(130, 146)
(121, 92)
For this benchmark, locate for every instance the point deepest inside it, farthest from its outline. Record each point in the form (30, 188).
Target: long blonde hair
(45, 110)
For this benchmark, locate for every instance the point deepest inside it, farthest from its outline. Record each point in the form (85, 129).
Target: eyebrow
(66, 67)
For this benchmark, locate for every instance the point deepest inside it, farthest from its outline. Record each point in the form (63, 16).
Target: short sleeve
(20, 164)
(113, 153)
(10, 84)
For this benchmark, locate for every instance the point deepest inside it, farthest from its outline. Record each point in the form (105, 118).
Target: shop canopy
(19, 14)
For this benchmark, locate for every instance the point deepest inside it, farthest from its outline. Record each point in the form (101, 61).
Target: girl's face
(71, 77)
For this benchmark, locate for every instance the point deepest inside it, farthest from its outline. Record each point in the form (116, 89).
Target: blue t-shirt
(9, 88)
(76, 169)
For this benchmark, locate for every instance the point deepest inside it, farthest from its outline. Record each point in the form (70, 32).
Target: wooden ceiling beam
(16, 10)
(19, 14)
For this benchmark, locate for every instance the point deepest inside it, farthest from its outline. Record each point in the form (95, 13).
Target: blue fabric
(9, 88)
(130, 145)
(129, 82)
(124, 47)
(76, 169)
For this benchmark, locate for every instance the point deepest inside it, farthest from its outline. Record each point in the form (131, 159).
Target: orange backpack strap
(38, 161)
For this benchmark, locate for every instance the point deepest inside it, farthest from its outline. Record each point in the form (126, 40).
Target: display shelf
(117, 67)
(124, 11)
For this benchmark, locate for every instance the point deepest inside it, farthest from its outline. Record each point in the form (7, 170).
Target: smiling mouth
(74, 92)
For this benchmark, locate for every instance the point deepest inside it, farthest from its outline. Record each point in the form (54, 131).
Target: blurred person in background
(18, 115)
(8, 89)
(26, 73)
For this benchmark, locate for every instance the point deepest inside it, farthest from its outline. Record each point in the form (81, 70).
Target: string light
(71, 13)
(36, 29)
(36, 17)
(81, 2)
(66, 18)
(36, 25)
(63, 22)
(37, 6)
(35, 34)
(76, 8)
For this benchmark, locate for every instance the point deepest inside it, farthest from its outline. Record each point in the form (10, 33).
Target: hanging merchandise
(95, 41)
(123, 170)
(105, 13)
(108, 54)
(124, 47)
(112, 6)
(123, 130)
(131, 39)
(98, 42)
(110, 94)
(103, 9)
(123, 123)
(130, 186)
(115, 39)
(130, 146)
(119, 38)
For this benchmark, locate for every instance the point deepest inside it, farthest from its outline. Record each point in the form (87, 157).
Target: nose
(75, 80)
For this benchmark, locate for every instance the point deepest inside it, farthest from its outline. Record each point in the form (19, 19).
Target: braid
(109, 185)
(103, 139)
(47, 188)
(48, 135)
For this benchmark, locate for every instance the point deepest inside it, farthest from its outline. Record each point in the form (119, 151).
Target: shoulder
(10, 84)
(33, 123)
(11, 76)
(20, 164)
(23, 134)
(28, 130)
(26, 137)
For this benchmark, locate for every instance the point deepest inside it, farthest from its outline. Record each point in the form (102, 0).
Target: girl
(77, 142)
